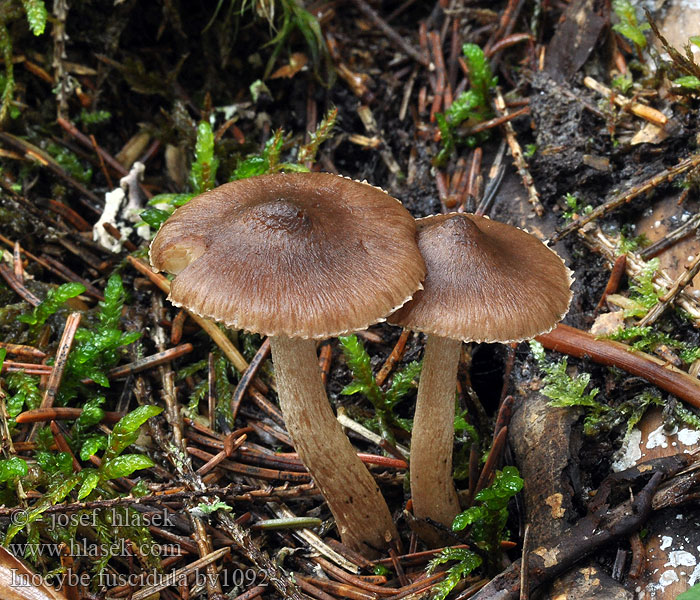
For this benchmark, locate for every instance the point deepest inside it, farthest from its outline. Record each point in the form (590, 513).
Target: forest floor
(143, 452)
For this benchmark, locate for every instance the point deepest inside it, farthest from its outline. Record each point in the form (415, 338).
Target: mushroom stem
(352, 494)
(432, 487)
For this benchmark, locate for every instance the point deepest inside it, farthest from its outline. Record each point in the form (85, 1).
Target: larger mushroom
(486, 282)
(300, 257)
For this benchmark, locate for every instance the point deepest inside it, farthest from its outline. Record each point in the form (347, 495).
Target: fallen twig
(14, 283)
(247, 377)
(148, 362)
(608, 247)
(585, 537)
(62, 413)
(23, 350)
(64, 346)
(681, 282)
(394, 357)
(667, 175)
(671, 238)
(641, 110)
(211, 328)
(533, 195)
(613, 284)
(390, 33)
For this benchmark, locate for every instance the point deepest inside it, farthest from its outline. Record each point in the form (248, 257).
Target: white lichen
(679, 558)
(689, 437)
(657, 438)
(123, 207)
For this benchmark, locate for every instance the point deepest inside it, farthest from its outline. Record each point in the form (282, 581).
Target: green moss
(364, 382)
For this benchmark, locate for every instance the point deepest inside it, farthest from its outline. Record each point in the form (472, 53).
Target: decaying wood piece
(575, 37)
(588, 583)
(545, 449)
(589, 534)
(541, 441)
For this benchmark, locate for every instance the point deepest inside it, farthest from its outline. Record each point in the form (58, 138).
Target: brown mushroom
(486, 282)
(300, 257)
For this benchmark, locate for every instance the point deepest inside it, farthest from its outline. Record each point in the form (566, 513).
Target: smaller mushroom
(486, 282)
(300, 257)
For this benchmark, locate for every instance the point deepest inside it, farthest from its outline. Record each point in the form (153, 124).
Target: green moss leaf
(628, 25)
(123, 466)
(171, 199)
(126, 430)
(203, 171)
(689, 81)
(53, 301)
(90, 480)
(155, 217)
(359, 362)
(131, 422)
(92, 413)
(12, 468)
(36, 15)
(57, 491)
(92, 446)
(467, 562)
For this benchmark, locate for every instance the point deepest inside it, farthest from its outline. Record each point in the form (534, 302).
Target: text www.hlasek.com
(85, 548)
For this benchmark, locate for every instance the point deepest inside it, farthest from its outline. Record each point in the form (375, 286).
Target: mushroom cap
(486, 282)
(307, 255)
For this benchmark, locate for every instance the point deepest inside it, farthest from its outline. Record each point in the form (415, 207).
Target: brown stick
(69, 215)
(102, 161)
(14, 283)
(533, 195)
(575, 342)
(17, 263)
(641, 110)
(61, 413)
(493, 460)
(64, 346)
(69, 275)
(62, 445)
(390, 33)
(221, 455)
(9, 366)
(343, 575)
(250, 470)
(471, 193)
(325, 358)
(248, 376)
(177, 326)
(683, 280)
(22, 350)
(211, 328)
(613, 284)
(39, 156)
(150, 361)
(394, 357)
(495, 122)
(85, 141)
